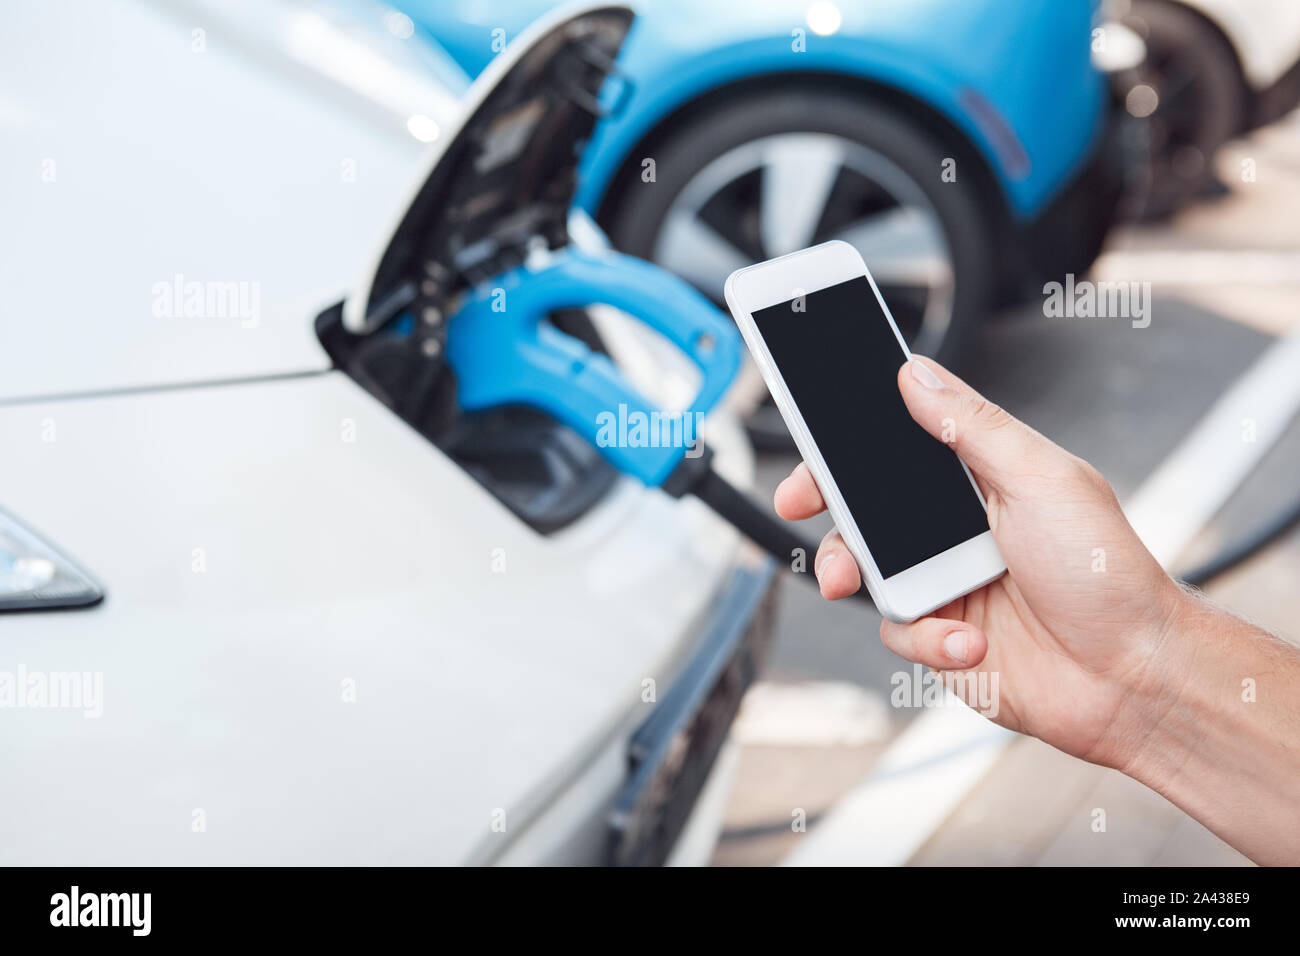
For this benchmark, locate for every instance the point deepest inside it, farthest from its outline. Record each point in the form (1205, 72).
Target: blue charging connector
(504, 352)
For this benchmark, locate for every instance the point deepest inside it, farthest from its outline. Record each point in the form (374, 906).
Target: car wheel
(1190, 91)
(767, 175)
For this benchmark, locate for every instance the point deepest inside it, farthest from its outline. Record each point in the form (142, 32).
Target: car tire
(871, 133)
(1201, 102)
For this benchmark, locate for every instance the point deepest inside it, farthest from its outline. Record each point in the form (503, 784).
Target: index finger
(798, 497)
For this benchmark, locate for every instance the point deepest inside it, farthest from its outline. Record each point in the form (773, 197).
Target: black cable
(696, 476)
(1234, 554)
(776, 538)
(768, 532)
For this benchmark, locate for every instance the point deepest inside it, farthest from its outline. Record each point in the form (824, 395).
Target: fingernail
(924, 375)
(954, 645)
(825, 561)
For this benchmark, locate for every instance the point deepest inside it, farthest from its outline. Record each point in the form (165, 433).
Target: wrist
(1200, 730)
(1157, 688)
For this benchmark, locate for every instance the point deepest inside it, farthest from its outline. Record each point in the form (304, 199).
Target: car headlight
(34, 574)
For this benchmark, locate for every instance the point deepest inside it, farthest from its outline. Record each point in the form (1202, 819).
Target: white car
(1213, 69)
(324, 636)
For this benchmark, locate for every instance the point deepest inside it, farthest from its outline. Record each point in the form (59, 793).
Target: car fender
(1032, 134)
(1030, 104)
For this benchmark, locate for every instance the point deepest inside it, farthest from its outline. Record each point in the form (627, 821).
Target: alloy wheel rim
(777, 194)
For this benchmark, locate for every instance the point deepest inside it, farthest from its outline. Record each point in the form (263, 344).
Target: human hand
(1073, 630)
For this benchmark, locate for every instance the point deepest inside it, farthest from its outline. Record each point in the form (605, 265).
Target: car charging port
(500, 190)
(542, 470)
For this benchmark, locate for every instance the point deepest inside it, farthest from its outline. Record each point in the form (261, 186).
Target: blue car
(961, 145)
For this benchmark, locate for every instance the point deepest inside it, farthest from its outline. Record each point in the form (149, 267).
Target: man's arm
(1223, 719)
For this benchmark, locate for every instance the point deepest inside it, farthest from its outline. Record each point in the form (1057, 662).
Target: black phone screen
(905, 490)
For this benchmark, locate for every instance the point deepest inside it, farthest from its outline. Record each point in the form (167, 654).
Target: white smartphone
(829, 351)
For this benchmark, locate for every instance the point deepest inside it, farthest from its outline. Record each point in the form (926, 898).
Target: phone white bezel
(912, 592)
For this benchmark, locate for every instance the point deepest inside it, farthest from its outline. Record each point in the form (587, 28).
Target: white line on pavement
(1183, 494)
(811, 714)
(1235, 267)
(916, 783)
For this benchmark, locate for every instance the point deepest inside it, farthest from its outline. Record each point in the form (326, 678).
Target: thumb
(996, 446)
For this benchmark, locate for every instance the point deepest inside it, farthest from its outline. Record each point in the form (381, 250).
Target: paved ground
(1122, 398)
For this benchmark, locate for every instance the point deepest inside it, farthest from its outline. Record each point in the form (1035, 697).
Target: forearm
(1223, 731)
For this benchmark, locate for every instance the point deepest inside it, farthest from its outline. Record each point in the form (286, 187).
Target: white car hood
(151, 148)
(261, 544)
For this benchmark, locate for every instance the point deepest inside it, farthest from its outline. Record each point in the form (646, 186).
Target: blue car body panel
(1015, 78)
